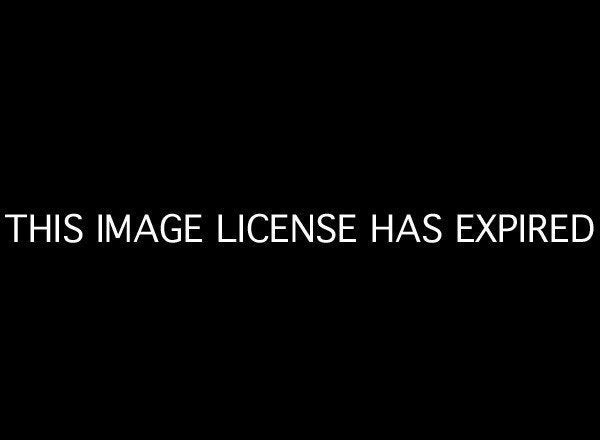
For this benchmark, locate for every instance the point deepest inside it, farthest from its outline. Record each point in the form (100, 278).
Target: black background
(386, 112)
